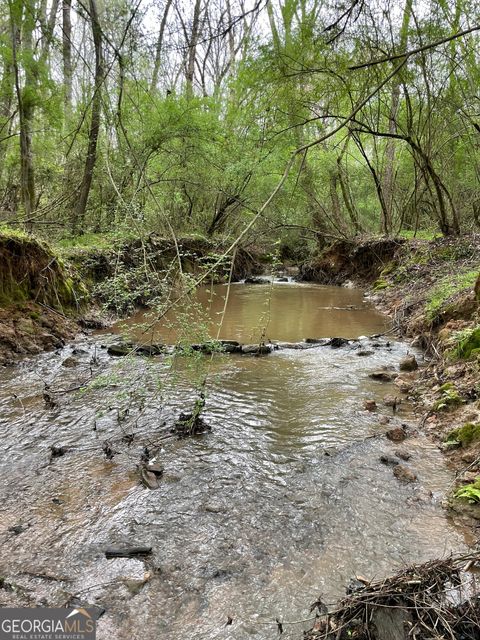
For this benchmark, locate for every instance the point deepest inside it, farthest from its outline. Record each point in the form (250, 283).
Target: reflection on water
(283, 501)
(277, 312)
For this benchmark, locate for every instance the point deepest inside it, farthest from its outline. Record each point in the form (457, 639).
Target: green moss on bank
(31, 271)
(467, 344)
(465, 435)
(445, 290)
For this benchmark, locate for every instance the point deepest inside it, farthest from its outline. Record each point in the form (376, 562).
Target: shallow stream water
(285, 500)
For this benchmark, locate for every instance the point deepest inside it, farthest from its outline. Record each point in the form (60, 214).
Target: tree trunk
(80, 208)
(158, 48)
(192, 49)
(67, 54)
(389, 172)
(6, 117)
(25, 99)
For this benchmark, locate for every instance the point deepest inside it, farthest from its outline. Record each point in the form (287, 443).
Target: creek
(285, 500)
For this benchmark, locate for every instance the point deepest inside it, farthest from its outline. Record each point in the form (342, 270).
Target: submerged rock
(256, 349)
(391, 401)
(383, 376)
(370, 405)
(404, 474)
(336, 343)
(403, 385)
(120, 349)
(213, 507)
(389, 461)
(128, 348)
(231, 346)
(254, 280)
(397, 434)
(190, 425)
(294, 345)
(70, 362)
(149, 479)
(149, 349)
(403, 454)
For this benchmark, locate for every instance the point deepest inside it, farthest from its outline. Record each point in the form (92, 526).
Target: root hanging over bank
(436, 600)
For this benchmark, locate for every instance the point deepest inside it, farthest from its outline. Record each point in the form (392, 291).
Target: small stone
(370, 405)
(382, 376)
(156, 468)
(70, 362)
(364, 353)
(391, 401)
(469, 476)
(409, 363)
(397, 434)
(119, 350)
(403, 454)
(451, 445)
(404, 474)
(403, 385)
(469, 457)
(384, 420)
(149, 479)
(213, 507)
(17, 529)
(389, 461)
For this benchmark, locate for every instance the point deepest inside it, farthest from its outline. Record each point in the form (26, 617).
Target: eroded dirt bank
(40, 297)
(49, 295)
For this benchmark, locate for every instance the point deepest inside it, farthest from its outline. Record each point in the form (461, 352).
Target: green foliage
(465, 435)
(421, 234)
(445, 290)
(128, 288)
(449, 398)
(381, 284)
(467, 343)
(30, 270)
(470, 492)
(204, 161)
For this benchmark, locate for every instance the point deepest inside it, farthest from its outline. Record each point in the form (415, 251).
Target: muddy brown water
(285, 500)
